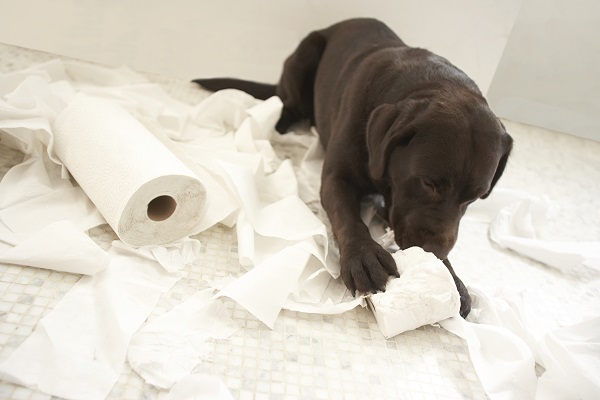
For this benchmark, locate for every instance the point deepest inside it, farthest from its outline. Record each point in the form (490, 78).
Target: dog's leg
(465, 298)
(365, 265)
(296, 87)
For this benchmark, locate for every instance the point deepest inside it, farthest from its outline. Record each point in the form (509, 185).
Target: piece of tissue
(424, 294)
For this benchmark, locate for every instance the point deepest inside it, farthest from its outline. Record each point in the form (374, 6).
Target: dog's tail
(261, 91)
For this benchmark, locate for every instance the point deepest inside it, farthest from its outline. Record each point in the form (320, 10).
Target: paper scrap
(78, 350)
(571, 357)
(63, 204)
(516, 219)
(503, 362)
(504, 346)
(264, 289)
(60, 246)
(425, 293)
(173, 256)
(167, 349)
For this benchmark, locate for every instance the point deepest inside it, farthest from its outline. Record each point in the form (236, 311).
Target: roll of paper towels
(146, 194)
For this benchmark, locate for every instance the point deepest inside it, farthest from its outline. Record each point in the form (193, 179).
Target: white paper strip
(60, 246)
(503, 345)
(173, 256)
(516, 219)
(63, 204)
(78, 350)
(571, 356)
(167, 349)
(264, 289)
(503, 362)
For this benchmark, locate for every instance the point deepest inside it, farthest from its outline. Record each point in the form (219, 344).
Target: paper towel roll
(146, 194)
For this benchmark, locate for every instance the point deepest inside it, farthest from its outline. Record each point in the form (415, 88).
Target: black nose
(438, 249)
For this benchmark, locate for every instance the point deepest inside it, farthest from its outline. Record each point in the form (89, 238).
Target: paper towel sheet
(166, 350)
(504, 344)
(33, 178)
(173, 256)
(43, 219)
(63, 204)
(516, 219)
(78, 350)
(60, 246)
(571, 357)
(503, 362)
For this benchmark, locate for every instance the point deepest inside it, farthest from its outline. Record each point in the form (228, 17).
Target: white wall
(549, 74)
(545, 71)
(249, 39)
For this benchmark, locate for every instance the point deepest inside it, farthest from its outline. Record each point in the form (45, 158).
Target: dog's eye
(429, 186)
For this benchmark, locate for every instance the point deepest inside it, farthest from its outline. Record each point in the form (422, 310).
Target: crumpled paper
(504, 346)
(516, 219)
(424, 294)
(506, 339)
(568, 353)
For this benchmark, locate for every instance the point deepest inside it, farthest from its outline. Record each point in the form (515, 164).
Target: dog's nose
(439, 250)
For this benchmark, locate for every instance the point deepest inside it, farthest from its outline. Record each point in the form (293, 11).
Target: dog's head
(433, 158)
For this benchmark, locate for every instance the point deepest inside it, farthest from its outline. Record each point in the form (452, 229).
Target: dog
(395, 120)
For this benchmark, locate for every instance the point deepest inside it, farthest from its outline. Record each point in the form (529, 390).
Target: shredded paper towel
(424, 294)
(159, 171)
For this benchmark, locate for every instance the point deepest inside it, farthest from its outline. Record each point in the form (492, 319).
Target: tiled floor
(345, 356)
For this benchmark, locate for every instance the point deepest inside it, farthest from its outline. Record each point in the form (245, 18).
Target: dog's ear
(507, 145)
(390, 125)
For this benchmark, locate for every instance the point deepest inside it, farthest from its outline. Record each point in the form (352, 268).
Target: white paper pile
(223, 143)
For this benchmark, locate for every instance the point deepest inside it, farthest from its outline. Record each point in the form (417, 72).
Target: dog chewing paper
(424, 294)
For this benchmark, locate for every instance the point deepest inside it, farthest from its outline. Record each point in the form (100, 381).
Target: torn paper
(571, 357)
(503, 362)
(173, 256)
(60, 246)
(568, 354)
(167, 349)
(78, 350)
(516, 219)
(424, 294)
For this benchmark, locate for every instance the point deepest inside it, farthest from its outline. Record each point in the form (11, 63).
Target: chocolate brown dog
(394, 120)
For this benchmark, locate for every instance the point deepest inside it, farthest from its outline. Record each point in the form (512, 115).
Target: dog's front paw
(366, 267)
